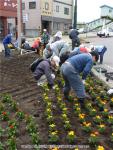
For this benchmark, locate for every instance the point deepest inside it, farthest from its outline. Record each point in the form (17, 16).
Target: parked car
(103, 32)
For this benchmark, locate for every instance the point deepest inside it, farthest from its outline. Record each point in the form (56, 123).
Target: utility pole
(52, 22)
(19, 15)
(75, 15)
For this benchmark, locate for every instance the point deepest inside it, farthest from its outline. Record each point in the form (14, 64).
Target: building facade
(106, 11)
(8, 17)
(31, 17)
(52, 15)
(62, 15)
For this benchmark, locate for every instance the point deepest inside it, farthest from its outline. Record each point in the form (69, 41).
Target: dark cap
(95, 53)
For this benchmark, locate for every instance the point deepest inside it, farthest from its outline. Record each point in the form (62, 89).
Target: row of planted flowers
(11, 117)
(96, 120)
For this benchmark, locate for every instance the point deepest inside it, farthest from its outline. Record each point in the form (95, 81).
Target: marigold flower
(71, 133)
(4, 113)
(11, 126)
(100, 148)
(101, 125)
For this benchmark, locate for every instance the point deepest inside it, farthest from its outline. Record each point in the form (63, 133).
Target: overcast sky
(89, 10)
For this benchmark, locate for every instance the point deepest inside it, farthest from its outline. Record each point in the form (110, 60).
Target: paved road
(108, 42)
(108, 57)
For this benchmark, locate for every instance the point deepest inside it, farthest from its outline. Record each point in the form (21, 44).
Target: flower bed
(66, 123)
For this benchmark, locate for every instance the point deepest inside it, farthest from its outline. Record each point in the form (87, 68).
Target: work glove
(83, 81)
(53, 76)
(53, 87)
(110, 91)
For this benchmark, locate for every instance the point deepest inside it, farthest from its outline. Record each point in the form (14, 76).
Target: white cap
(44, 30)
(91, 46)
(56, 59)
(58, 34)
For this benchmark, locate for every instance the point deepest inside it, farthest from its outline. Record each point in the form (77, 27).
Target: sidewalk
(101, 75)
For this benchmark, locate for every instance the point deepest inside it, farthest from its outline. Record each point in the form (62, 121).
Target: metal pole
(52, 19)
(75, 15)
(19, 22)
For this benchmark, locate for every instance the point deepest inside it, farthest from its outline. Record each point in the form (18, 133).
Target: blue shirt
(7, 39)
(99, 48)
(82, 63)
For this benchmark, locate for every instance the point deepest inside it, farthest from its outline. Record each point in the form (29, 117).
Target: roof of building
(106, 6)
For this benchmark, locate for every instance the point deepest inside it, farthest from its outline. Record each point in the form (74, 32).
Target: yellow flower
(112, 134)
(76, 149)
(112, 99)
(76, 104)
(78, 108)
(54, 133)
(87, 124)
(64, 109)
(71, 133)
(92, 134)
(52, 125)
(81, 116)
(48, 110)
(55, 148)
(100, 148)
(93, 109)
(105, 110)
(98, 117)
(101, 125)
(110, 117)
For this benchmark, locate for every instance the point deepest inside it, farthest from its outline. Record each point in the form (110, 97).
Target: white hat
(58, 34)
(44, 30)
(91, 47)
(56, 59)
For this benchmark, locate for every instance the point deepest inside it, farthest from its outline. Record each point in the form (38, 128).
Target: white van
(105, 33)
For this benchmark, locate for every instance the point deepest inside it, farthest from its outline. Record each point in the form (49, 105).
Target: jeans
(7, 50)
(101, 54)
(72, 79)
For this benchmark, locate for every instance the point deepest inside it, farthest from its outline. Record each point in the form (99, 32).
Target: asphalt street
(108, 56)
(108, 42)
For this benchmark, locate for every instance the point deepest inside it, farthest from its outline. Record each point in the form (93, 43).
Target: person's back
(60, 47)
(45, 37)
(73, 34)
(36, 43)
(57, 45)
(98, 48)
(80, 61)
(7, 39)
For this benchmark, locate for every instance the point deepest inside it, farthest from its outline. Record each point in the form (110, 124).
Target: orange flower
(11, 126)
(4, 113)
